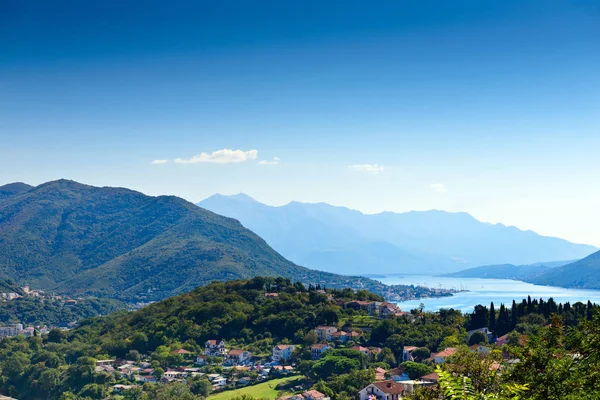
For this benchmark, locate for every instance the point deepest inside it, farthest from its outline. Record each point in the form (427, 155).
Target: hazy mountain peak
(241, 197)
(324, 236)
(15, 188)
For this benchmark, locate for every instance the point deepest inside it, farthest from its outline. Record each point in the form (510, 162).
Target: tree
(421, 353)
(492, 317)
(478, 337)
(200, 385)
(461, 388)
(416, 370)
(175, 391)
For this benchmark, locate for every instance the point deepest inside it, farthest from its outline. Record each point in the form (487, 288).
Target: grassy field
(264, 390)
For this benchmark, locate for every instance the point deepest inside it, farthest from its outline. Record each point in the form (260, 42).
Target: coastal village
(226, 367)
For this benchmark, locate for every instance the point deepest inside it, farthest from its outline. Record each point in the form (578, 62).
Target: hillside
(120, 243)
(507, 271)
(339, 239)
(584, 274)
(13, 189)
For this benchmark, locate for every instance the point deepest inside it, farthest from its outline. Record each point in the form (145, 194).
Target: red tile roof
(181, 351)
(431, 377)
(389, 387)
(447, 352)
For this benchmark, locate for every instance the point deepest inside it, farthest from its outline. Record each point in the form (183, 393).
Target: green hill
(584, 274)
(13, 189)
(508, 271)
(120, 243)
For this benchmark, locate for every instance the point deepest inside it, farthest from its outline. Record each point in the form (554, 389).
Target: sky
(488, 107)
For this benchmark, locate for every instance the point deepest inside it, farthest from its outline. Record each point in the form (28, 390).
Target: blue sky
(487, 107)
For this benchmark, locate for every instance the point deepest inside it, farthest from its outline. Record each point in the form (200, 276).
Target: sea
(484, 291)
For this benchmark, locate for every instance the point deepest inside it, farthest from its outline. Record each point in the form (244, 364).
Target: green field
(264, 390)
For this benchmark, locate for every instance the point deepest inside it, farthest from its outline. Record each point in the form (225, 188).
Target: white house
(239, 356)
(215, 348)
(282, 352)
(325, 332)
(388, 390)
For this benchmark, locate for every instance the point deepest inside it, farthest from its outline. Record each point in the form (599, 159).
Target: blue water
(484, 291)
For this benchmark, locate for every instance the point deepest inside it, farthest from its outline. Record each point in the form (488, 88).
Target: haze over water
(484, 291)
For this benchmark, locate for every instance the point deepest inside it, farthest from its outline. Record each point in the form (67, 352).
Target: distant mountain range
(115, 242)
(584, 274)
(337, 239)
(508, 271)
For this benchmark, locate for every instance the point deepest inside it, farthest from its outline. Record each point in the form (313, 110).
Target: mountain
(508, 271)
(13, 189)
(584, 274)
(119, 243)
(338, 239)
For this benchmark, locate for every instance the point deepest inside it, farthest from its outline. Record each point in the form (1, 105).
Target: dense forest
(118, 243)
(61, 364)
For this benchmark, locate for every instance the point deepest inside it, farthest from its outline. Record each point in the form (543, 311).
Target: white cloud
(224, 156)
(370, 168)
(438, 187)
(274, 161)
(159, 162)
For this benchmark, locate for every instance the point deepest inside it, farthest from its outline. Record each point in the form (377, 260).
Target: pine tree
(513, 315)
(492, 317)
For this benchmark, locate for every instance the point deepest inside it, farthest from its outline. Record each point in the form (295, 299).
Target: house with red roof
(388, 390)
(282, 352)
(317, 350)
(215, 347)
(239, 356)
(440, 358)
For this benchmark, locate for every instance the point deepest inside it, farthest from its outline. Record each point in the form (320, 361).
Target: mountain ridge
(116, 242)
(322, 236)
(582, 274)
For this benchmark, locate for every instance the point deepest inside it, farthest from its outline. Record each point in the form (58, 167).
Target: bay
(484, 291)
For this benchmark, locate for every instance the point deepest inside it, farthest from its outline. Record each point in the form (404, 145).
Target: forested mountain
(508, 271)
(13, 189)
(584, 273)
(120, 243)
(338, 239)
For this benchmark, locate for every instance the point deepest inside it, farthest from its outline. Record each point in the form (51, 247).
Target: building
(380, 374)
(123, 388)
(239, 356)
(11, 330)
(502, 340)
(215, 348)
(201, 359)
(386, 309)
(324, 332)
(411, 385)
(182, 352)
(398, 374)
(314, 395)
(479, 349)
(440, 358)
(343, 337)
(317, 350)
(361, 349)
(407, 353)
(432, 378)
(384, 390)
(282, 352)
(104, 362)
